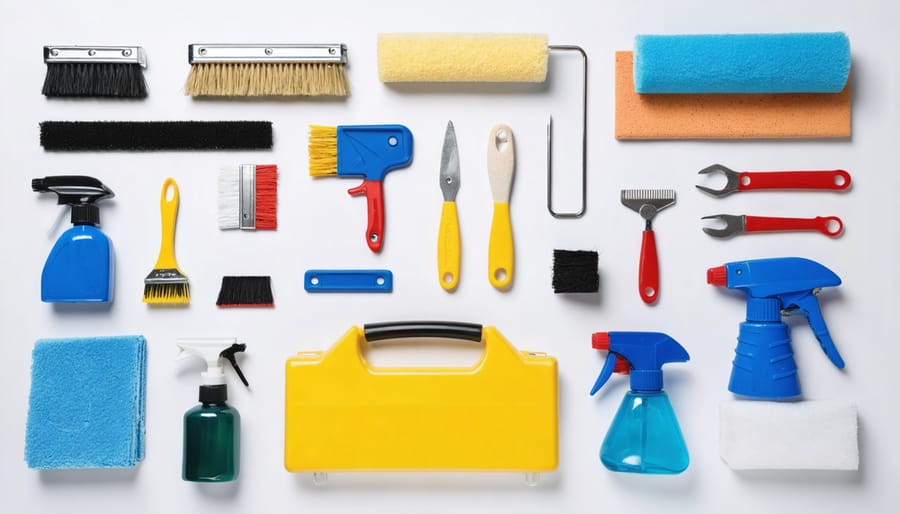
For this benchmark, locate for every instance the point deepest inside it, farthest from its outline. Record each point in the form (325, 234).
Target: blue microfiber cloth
(815, 62)
(86, 408)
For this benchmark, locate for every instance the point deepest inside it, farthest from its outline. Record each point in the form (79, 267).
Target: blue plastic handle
(348, 281)
(371, 151)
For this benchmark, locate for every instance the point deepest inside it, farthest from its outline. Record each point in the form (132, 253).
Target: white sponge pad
(790, 435)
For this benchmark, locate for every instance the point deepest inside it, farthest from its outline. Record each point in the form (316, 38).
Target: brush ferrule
(247, 184)
(95, 54)
(319, 53)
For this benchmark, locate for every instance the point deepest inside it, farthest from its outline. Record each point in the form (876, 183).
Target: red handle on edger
(823, 179)
(648, 269)
(374, 194)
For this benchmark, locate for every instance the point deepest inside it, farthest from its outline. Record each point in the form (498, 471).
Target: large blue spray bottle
(764, 364)
(644, 436)
(81, 266)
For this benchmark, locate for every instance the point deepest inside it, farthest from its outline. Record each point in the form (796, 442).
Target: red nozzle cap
(600, 341)
(717, 276)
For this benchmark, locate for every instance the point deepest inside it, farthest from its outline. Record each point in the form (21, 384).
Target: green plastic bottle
(212, 438)
(212, 430)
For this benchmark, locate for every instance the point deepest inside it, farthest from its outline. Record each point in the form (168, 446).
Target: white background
(320, 226)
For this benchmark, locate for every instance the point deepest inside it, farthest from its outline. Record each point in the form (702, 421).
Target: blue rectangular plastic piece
(814, 62)
(86, 408)
(348, 281)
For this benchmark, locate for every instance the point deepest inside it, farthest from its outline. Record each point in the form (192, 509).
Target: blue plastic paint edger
(81, 265)
(764, 364)
(644, 437)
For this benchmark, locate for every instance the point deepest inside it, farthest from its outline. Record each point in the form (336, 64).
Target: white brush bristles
(229, 200)
(267, 79)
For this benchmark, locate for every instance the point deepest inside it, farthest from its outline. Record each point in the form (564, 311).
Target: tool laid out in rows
(834, 180)
(729, 225)
(449, 250)
(647, 202)
(501, 162)
(831, 226)
(344, 414)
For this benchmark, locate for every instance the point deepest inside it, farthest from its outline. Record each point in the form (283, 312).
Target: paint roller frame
(584, 89)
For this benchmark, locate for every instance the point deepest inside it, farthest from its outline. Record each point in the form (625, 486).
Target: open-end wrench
(833, 180)
(831, 226)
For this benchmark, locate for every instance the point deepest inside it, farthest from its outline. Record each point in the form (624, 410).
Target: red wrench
(831, 226)
(833, 180)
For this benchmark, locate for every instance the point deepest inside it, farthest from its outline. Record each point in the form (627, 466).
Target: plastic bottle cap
(600, 341)
(717, 276)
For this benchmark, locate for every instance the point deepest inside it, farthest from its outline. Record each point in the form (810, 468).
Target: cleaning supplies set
(342, 413)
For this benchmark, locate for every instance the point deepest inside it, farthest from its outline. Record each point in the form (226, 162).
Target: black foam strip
(156, 135)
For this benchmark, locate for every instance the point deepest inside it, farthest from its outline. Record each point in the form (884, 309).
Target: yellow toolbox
(342, 414)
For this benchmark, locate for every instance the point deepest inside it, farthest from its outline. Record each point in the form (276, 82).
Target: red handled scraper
(367, 151)
(647, 202)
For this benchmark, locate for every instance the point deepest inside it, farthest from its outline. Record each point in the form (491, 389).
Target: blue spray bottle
(81, 266)
(644, 436)
(764, 365)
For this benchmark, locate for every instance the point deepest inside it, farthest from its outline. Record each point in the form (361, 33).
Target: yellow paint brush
(166, 284)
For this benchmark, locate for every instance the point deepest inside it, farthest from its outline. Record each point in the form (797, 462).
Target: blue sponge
(816, 62)
(86, 408)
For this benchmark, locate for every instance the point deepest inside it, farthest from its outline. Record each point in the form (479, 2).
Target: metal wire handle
(579, 213)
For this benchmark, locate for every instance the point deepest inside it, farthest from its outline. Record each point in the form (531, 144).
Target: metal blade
(449, 165)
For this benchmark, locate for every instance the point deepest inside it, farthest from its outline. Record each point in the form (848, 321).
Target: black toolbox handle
(406, 329)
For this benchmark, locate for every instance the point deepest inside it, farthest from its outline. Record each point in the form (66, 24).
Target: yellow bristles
(167, 294)
(267, 79)
(322, 150)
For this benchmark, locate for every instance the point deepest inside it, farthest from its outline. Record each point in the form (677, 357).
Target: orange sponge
(726, 116)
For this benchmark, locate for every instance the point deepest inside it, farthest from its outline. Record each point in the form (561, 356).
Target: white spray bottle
(212, 430)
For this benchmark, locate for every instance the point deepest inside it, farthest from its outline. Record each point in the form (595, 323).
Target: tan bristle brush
(267, 70)
(166, 284)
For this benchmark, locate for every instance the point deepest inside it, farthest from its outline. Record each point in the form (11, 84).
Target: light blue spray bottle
(81, 266)
(644, 436)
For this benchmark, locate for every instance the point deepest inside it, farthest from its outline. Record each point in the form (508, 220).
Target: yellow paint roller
(481, 58)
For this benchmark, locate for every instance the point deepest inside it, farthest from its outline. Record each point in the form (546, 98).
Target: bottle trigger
(228, 354)
(609, 367)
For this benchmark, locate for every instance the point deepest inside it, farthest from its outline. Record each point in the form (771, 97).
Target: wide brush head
(267, 79)
(248, 197)
(117, 80)
(246, 292)
(166, 286)
(322, 150)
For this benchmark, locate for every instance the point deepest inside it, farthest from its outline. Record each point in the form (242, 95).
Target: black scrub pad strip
(156, 135)
(575, 271)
